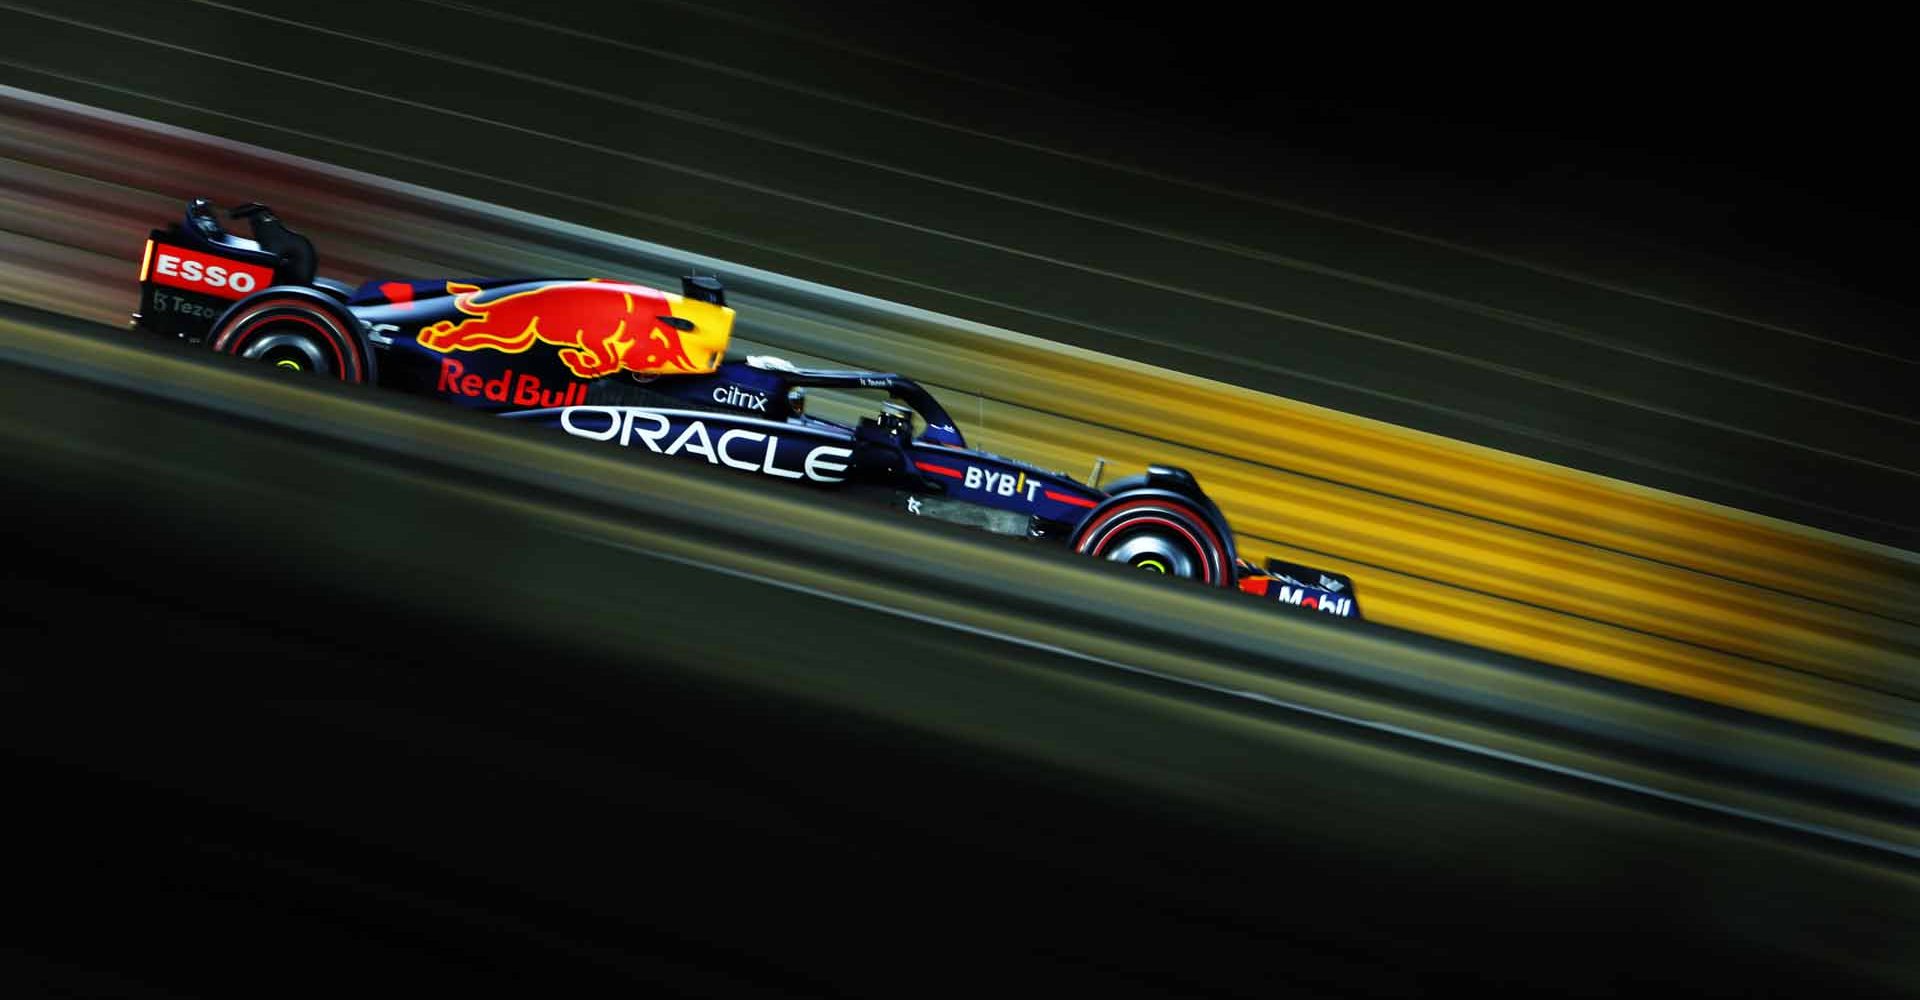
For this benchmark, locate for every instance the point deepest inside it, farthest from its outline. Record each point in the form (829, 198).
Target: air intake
(703, 288)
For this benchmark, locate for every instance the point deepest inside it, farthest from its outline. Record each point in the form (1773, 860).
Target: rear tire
(293, 332)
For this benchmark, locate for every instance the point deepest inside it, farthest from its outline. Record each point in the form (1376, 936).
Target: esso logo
(199, 272)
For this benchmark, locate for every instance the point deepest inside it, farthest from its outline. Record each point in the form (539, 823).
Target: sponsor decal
(526, 389)
(167, 302)
(399, 293)
(1342, 606)
(1329, 583)
(179, 267)
(913, 504)
(736, 447)
(1007, 484)
(733, 395)
(601, 327)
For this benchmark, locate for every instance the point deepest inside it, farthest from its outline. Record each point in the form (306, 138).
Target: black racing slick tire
(295, 329)
(1158, 532)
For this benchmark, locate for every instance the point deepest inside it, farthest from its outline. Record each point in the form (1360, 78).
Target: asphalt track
(1441, 537)
(631, 729)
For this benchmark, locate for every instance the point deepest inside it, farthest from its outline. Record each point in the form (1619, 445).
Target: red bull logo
(600, 327)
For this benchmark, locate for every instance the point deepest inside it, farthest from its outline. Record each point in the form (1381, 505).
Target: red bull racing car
(648, 371)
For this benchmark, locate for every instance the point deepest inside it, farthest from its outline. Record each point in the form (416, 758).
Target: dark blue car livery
(643, 371)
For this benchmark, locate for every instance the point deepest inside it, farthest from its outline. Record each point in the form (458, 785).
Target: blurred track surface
(1442, 537)
(517, 619)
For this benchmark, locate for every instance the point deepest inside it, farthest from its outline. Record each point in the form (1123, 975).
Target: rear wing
(192, 271)
(1302, 587)
(184, 288)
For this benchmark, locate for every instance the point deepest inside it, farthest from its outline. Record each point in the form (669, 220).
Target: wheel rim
(289, 350)
(1155, 552)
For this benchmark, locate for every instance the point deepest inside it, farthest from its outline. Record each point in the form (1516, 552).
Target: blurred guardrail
(1443, 538)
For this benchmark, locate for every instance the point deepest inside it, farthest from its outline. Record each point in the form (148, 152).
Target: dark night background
(869, 861)
(1778, 144)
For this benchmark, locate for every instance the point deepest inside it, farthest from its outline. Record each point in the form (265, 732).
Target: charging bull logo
(601, 327)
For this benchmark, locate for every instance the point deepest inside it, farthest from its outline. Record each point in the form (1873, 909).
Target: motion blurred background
(1365, 279)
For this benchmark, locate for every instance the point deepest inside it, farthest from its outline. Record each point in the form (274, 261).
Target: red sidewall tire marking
(1084, 537)
(254, 326)
(233, 339)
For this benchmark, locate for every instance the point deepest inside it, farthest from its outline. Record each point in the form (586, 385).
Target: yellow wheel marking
(290, 364)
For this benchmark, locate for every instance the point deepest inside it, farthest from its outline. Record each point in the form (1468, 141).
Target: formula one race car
(646, 370)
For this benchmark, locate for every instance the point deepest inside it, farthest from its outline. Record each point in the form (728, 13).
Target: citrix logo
(733, 395)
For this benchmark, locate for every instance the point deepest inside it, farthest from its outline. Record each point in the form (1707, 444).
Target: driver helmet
(897, 417)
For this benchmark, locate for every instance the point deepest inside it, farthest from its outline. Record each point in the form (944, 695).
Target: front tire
(1156, 532)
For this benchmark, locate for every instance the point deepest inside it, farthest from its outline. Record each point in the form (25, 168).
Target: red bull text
(524, 389)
